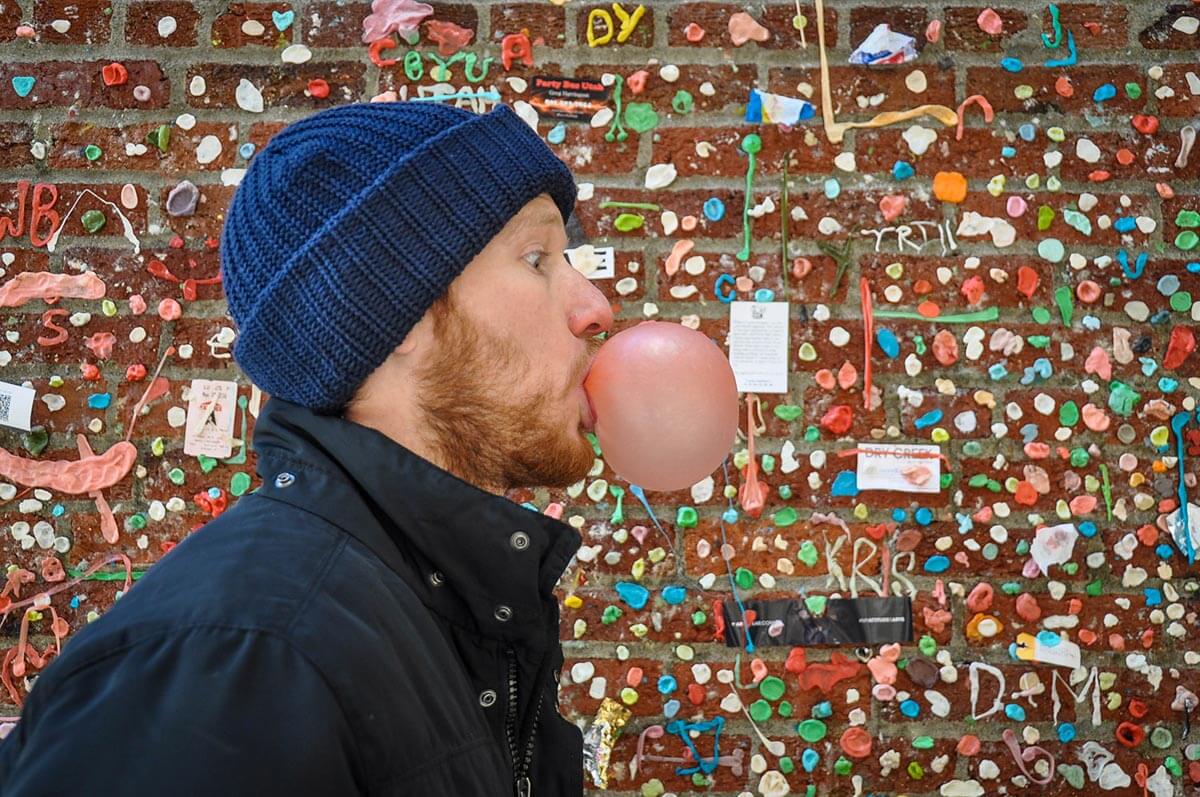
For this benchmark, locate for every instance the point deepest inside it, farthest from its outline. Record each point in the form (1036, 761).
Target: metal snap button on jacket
(519, 540)
(284, 479)
(503, 613)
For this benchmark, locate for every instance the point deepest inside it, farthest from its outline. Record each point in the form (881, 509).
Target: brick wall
(105, 108)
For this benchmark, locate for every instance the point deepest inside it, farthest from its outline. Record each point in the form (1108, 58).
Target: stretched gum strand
(1180, 420)
(835, 130)
(621, 134)
(108, 523)
(785, 217)
(83, 475)
(1057, 27)
(1072, 55)
(30, 285)
(43, 599)
(126, 227)
(75, 478)
(1027, 756)
(25, 650)
(751, 145)
(985, 106)
(733, 760)
(869, 324)
(752, 494)
(729, 569)
(990, 314)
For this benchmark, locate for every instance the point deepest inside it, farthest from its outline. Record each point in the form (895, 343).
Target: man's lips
(586, 412)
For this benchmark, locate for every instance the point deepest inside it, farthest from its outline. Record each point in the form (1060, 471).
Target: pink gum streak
(43, 285)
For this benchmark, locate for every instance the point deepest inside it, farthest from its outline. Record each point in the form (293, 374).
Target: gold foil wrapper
(599, 739)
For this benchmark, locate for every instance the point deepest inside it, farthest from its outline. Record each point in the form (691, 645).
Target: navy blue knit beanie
(352, 221)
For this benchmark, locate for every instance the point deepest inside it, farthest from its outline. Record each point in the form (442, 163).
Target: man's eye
(534, 258)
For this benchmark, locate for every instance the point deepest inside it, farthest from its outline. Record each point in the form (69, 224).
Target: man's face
(501, 386)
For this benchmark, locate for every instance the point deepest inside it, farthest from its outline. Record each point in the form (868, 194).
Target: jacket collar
(416, 516)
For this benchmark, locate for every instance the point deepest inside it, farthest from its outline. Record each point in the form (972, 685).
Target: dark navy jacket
(359, 624)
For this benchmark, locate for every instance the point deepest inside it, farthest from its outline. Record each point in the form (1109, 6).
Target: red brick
(848, 83)
(949, 297)
(1045, 100)
(10, 18)
(1184, 103)
(210, 213)
(141, 23)
(89, 21)
(961, 30)
(72, 138)
(546, 24)
(977, 154)
(340, 24)
(723, 778)
(15, 138)
(284, 84)
(66, 83)
(1096, 26)
(731, 83)
(337, 24)
(69, 192)
(394, 78)
(461, 14)
(227, 28)
(65, 358)
(908, 20)
(678, 145)
(586, 152)
(333, 24)
(714, 18)
(126, 274)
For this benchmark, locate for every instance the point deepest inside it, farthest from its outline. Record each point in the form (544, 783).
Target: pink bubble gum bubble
(666, 404)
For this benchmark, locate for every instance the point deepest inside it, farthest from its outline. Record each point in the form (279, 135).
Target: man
(377, 618)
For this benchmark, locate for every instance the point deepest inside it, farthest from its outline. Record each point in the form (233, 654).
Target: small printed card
(907, 468)
(758, 346)
(593, 263)
(210, 412)
(574, 99)
(16, 405)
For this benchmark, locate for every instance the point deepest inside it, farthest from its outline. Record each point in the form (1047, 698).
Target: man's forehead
(536, 216)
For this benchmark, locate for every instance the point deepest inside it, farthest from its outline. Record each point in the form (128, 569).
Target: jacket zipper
(521, 781)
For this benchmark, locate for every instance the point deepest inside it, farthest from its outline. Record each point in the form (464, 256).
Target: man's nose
(591, 313)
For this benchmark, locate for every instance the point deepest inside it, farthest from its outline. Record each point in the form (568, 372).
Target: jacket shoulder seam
(331, 557)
